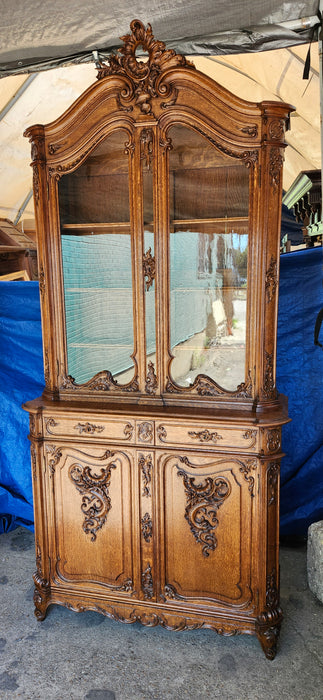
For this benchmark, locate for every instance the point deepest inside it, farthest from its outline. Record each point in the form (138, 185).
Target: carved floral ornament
(143, 75)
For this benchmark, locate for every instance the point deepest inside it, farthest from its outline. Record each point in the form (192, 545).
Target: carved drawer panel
(107, 429)
(210, 437)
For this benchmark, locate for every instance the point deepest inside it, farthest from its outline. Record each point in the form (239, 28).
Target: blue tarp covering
(299, 376)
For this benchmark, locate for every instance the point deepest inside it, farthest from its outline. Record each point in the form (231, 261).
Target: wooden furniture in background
(18, 251)
(156, 445)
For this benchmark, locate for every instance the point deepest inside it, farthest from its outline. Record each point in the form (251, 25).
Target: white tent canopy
(44, 95)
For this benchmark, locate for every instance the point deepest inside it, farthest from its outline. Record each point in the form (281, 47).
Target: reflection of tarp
(299, 376)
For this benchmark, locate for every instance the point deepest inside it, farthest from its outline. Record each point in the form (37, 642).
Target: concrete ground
(85, 656)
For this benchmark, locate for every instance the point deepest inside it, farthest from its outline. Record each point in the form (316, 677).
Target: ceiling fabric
(44, 34)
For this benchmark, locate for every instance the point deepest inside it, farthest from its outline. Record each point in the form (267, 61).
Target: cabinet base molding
(266, 626)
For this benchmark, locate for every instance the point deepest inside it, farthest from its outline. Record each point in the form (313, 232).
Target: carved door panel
(90, 498)
(207, 516)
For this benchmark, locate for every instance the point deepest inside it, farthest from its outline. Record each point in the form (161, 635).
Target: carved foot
(268, 627)
(41, 597)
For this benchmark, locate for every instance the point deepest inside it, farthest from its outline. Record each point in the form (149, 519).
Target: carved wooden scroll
(96, 501)
(203, 501)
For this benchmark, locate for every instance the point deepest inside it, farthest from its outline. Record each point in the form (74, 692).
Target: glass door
(97, 253)
(208, 250)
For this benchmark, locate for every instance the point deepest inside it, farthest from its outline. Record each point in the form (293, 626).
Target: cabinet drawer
(106, 429)
(212, 437)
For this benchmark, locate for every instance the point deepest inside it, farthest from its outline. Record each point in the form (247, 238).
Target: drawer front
(210, 437)
(105, 429)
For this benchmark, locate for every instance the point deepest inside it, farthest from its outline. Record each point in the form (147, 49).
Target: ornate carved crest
(203, 501)
(96, 501)
(143, 76)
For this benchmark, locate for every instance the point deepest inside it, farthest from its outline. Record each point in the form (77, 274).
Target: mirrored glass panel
(97, 267)
(209, 197)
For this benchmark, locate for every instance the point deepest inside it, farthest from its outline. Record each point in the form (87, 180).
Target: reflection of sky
(240, 241)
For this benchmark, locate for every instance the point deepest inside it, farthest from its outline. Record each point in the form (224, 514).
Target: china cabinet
(156, 445)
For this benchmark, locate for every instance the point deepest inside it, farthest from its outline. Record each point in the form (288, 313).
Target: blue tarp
(299, 376)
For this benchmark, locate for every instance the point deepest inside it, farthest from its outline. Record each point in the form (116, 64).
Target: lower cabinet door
(89, 496)
(207, 510)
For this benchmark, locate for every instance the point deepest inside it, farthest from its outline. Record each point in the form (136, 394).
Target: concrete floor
(86, 656)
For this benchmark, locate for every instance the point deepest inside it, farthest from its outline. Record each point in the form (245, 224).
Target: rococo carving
(145, 464)
(147, 527)
(205, 435)
(246, 469)
(88, 428)
(147, 582)
(151, 380)
(149, 265)
(275, 167)
(96, 502)
(103, 381)
(142, 76)
(145, 431)
(56, 454)
(269, 384)
(273, 440)
(146, 147)
(203, 501)
(272, 481)
(271, 279)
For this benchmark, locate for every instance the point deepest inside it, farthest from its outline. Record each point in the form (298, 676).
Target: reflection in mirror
(208, 262)
(97, 268)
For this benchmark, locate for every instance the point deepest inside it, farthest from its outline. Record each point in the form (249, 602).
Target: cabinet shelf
(124, 227)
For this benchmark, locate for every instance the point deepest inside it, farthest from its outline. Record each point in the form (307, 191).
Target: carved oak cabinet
(156, 445)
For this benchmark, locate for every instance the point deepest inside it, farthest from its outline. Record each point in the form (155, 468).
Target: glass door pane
(97, 263)
(209, 196)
